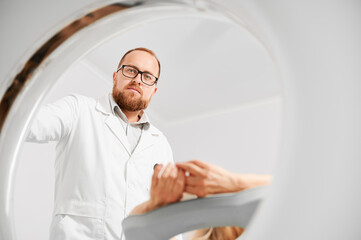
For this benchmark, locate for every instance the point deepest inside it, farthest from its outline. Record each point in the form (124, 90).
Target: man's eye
(147, 77)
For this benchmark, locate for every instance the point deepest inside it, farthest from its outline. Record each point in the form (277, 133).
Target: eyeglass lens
(132, 72)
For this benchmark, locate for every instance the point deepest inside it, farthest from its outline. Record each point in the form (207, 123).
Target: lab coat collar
(103, 105)
(147, 139)
(149, 135)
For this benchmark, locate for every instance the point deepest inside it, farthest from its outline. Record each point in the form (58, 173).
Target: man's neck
(132, 116)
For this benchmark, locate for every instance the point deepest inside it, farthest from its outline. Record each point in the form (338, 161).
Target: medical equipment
(232, 209)
(316, 45)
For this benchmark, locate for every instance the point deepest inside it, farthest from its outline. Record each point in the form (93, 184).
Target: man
(106, 151)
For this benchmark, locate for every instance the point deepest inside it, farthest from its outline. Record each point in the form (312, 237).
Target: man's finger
(180, 180)
(160, 173)
(157, 169)
(167, 171)
(174, 172)
(181, 177)
(166, 180)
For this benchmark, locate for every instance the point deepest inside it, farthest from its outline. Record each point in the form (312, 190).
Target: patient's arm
(205, 178)
(167, 187)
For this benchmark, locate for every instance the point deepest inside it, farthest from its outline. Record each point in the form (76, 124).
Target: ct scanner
(316, 192)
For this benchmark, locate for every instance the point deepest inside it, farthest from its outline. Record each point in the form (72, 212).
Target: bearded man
(105, 151)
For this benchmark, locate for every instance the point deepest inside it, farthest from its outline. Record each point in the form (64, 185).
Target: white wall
(243, 140)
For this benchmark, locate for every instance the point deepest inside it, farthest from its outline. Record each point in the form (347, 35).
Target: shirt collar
(118, 112)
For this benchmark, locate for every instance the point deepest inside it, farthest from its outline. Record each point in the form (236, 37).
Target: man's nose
(138, 79)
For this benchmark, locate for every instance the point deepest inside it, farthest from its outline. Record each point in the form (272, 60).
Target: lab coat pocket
(65, 226)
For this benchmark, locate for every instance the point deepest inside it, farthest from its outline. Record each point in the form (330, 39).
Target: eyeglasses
(132, 72)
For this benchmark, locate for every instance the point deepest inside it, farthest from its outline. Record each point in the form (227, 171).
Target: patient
(200, 179)
(217, 233)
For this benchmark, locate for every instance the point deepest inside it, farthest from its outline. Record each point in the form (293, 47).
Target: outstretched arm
(205, 178)
(54, 121)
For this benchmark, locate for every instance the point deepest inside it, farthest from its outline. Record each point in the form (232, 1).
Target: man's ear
(114, 77)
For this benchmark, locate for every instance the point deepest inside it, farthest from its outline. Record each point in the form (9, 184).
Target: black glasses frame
(141, 74)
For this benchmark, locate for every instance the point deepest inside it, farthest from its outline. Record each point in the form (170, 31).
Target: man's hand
(167, 185)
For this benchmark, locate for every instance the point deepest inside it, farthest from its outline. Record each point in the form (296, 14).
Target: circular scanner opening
(211, 79)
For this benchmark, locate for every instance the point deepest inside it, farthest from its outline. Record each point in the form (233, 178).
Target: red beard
(128, 101)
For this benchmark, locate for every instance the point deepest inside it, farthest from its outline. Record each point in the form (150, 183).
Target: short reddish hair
(140, 49)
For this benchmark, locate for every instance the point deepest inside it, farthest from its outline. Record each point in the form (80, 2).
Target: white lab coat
(97, 177)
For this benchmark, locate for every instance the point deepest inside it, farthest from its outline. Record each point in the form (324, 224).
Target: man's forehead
(140, 57)
(142, 60)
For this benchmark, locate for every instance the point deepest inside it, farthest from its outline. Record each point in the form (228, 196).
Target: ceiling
(209, 66)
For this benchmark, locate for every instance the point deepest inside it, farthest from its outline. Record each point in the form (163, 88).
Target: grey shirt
(133, 130)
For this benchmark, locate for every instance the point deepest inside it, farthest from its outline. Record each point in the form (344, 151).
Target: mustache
(135, 86)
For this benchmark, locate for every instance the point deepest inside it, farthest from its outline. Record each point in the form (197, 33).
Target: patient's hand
(205, 178)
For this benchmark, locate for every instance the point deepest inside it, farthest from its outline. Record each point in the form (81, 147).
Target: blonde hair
(140, 49)
(218, 233)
